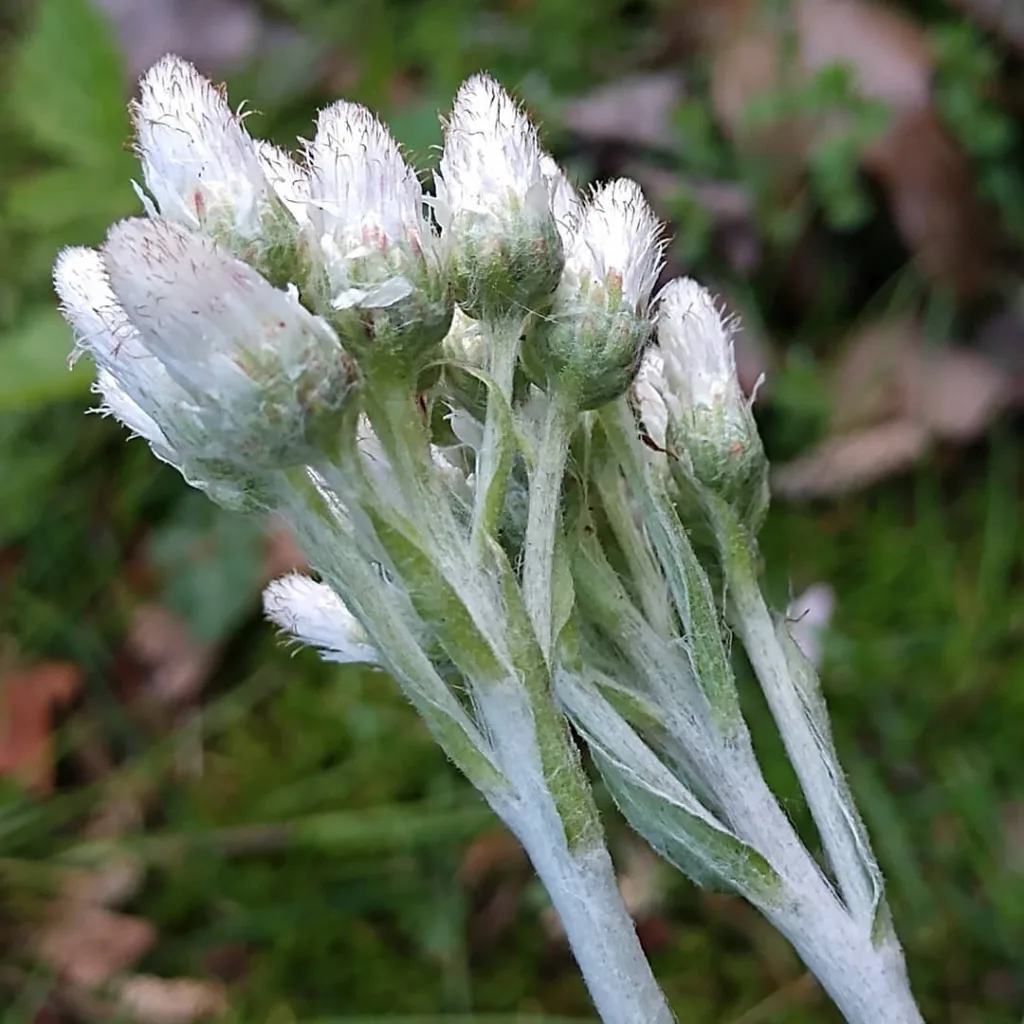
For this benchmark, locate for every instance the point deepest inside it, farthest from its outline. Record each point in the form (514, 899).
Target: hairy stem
(542, 522)
(850, 946)
(493, 464)
(802, 722)
(647, 576)
(546, 799)
(579, 877)
(862, 971)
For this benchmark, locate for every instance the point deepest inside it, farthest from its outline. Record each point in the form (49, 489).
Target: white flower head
(649, 396)
(262, 374)
(617, 248)
(594, 338)
(465, 341)
(493, 203)
(202, 169)
(380, 255)
(287, 178)
(697, 348)
(492, 157)
(564, 199)
(88, 303)
(363, 194)
(709, 419)
(134, 384)
(119, 404)
(313, 614)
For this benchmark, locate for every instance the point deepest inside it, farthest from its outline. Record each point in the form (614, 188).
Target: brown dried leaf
(218, 35)
(116, 879)
(491, 853)
(745, 67)
(956, 394)
(87, 944)
(886, 51)
(177, 666)
(893, 396)
(729, 206)
(931, 193)
(926, 177)
(887, 371)
(155, 1000)
(850, 462)
(867, 381)
(28, 699)
(724, 201)
(1000, 339)
(642, 880)
(635, 111)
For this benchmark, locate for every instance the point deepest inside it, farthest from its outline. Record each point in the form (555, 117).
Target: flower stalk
(791, 689)
(542, 526)
(494, 460)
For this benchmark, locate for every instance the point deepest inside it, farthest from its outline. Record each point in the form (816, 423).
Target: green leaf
(29, 470)
(34, 362)
(337, 551)
(68, 83)
(417, 128)
(660, 806)
(687, 579)
(211, 562)
(435, 599)
(89, 198)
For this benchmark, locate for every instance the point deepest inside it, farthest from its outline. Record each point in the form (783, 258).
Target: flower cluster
(445, 396)
(232, 326)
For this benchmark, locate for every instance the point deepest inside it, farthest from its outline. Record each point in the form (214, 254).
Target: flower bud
(647, 392)
(313, 614)
(201, 168)
(386, 284)
(136, 389)
(563, 198)
(289, 181)
(232, 491)
(691, 402)
(493, 204)
(465, 349)
(598, 325)
(119, 404)
(236, 374)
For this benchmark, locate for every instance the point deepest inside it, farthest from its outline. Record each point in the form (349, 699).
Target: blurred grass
(320, 844)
